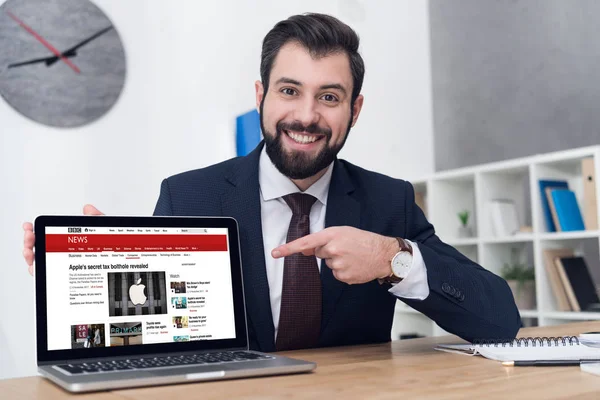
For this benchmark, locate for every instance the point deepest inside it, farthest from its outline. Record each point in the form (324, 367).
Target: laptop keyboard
(158, 362)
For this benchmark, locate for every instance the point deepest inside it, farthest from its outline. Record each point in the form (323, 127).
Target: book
(563, 348)
(552, 209)
(579, 282)
(504, 216)
(566, 211)
(567, 285)
(590, 204)
(543, 184)
(550, 255)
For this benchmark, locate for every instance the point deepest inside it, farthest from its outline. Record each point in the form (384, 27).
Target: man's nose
(307, 112)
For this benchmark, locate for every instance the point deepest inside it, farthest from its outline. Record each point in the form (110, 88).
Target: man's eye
(288, 91)
(329, 98)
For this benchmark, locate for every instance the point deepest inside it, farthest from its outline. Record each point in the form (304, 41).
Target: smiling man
(328, 247)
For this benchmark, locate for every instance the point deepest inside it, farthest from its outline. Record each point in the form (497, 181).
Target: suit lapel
(242, 201)
(342, 209)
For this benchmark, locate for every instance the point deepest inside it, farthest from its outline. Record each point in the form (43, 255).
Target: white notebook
(527, 349)
(590, 367)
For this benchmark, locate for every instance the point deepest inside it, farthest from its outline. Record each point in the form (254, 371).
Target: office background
(448, 84)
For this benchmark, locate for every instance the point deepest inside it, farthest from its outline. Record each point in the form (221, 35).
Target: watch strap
(392, 278)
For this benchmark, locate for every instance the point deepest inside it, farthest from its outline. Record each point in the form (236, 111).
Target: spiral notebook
(527, 349)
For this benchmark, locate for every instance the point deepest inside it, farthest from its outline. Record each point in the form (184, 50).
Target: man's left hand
(355, 256)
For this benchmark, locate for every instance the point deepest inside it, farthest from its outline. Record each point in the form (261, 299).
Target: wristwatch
(400, 263)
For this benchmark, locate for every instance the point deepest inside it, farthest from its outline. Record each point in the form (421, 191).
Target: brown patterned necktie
(300, 314)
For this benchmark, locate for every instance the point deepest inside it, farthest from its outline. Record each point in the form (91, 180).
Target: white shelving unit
(448, 192)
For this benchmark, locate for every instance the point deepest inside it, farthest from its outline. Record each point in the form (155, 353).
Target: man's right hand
(29, 236)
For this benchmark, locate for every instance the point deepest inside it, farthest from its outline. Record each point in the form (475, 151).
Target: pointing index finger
(306, 244)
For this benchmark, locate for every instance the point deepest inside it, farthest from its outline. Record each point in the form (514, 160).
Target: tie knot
(300, 203)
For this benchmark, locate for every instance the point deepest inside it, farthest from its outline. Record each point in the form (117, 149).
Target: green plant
(518, 272)
(464, 217)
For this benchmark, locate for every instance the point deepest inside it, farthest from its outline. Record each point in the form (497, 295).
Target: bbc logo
(74, 230)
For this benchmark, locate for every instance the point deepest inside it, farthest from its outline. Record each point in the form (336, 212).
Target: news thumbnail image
(178, 302)
(125, 334)
(177, 287)
(137, 293)
(180, 322)
(84, 336)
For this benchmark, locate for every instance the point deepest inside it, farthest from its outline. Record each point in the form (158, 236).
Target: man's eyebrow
(334, 86)
(288, 80)
(323, 87)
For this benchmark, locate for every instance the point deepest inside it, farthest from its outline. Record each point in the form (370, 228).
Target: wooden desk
(404, 369)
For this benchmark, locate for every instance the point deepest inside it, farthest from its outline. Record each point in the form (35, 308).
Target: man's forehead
(295, 62)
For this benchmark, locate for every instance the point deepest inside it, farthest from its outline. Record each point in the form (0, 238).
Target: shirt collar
(273, 184)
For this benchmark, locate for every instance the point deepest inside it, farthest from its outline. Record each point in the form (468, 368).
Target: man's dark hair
(321, 35)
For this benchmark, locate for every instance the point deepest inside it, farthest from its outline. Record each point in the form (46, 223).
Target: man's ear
(260, 92)
(358, 103)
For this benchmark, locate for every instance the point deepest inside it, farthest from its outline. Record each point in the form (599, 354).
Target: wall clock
(62, 62)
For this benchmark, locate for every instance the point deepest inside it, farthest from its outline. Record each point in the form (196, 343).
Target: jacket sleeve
(163, 205)
(464, 298)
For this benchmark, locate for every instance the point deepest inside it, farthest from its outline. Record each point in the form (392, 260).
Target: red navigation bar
(134, 243)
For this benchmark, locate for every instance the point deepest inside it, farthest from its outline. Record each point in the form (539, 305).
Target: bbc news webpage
(128, 286)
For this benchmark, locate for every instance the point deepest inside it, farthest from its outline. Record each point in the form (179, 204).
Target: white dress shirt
(276, 216)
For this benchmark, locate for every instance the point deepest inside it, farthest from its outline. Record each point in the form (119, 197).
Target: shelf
(509, 239)
(473, 189)
(569, 235)
(529, 313)
(566, 156)
(462, 241)
(572, 315)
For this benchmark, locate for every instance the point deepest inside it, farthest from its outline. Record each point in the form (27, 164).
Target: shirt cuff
(415, 286)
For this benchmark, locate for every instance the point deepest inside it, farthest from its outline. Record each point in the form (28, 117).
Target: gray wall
(513, 78)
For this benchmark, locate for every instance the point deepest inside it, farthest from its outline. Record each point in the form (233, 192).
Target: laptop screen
(130, 286)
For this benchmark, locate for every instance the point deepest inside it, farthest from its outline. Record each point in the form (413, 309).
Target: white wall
(191, 68)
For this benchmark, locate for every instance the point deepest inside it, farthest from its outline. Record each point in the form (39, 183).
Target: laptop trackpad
(197, 372)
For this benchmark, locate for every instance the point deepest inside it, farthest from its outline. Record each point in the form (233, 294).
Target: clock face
(62, 62)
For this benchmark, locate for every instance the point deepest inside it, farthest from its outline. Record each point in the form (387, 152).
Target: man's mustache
(299, 127)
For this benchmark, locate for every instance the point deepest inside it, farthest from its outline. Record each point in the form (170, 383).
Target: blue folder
(545, 206)
(567, 210)
(247, 132)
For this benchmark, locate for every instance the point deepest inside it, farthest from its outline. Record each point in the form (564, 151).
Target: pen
(545, 363)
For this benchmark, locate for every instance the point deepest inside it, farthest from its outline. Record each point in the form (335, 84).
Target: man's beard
(297, 164)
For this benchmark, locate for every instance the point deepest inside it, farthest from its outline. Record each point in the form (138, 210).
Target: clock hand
(44, 42)
(72, 51)
(68, 53)
(86, 41)
(48, 60)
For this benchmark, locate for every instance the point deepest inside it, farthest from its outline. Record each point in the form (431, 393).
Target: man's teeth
(301, 138)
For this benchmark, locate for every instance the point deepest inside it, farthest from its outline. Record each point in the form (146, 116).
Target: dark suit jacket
(464, 298)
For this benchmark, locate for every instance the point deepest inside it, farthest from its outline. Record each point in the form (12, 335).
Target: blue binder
(567, 210)
(545, 206)
(247, 132)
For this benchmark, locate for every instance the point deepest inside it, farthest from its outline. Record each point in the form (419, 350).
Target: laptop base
(278, 365)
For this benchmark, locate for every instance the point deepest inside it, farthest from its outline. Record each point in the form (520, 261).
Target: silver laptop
(136, 301)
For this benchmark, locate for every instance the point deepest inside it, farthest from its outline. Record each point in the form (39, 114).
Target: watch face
(62, 62)
(401, 264)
